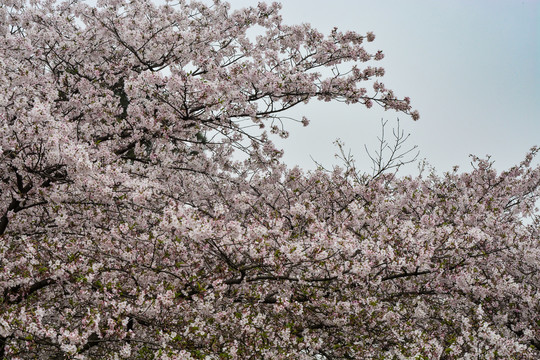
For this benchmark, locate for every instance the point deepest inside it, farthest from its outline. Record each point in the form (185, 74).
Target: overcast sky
(472, 69)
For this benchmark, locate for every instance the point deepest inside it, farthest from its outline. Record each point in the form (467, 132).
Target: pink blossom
(146, 213)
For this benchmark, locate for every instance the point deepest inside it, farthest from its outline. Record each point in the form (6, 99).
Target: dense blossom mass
(130, 227)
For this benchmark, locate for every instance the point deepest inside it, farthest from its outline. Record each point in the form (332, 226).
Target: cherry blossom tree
(130, 226)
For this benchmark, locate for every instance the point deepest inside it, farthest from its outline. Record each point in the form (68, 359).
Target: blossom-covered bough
(129, 228)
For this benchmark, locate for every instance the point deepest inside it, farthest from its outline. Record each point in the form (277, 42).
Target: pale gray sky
(472, 69)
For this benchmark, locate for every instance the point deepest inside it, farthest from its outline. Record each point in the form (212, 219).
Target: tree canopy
(130, 227)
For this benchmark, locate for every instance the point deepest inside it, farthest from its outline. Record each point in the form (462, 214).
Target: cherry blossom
(145, 212)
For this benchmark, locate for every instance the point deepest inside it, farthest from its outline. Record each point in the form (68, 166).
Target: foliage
(129, 229)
